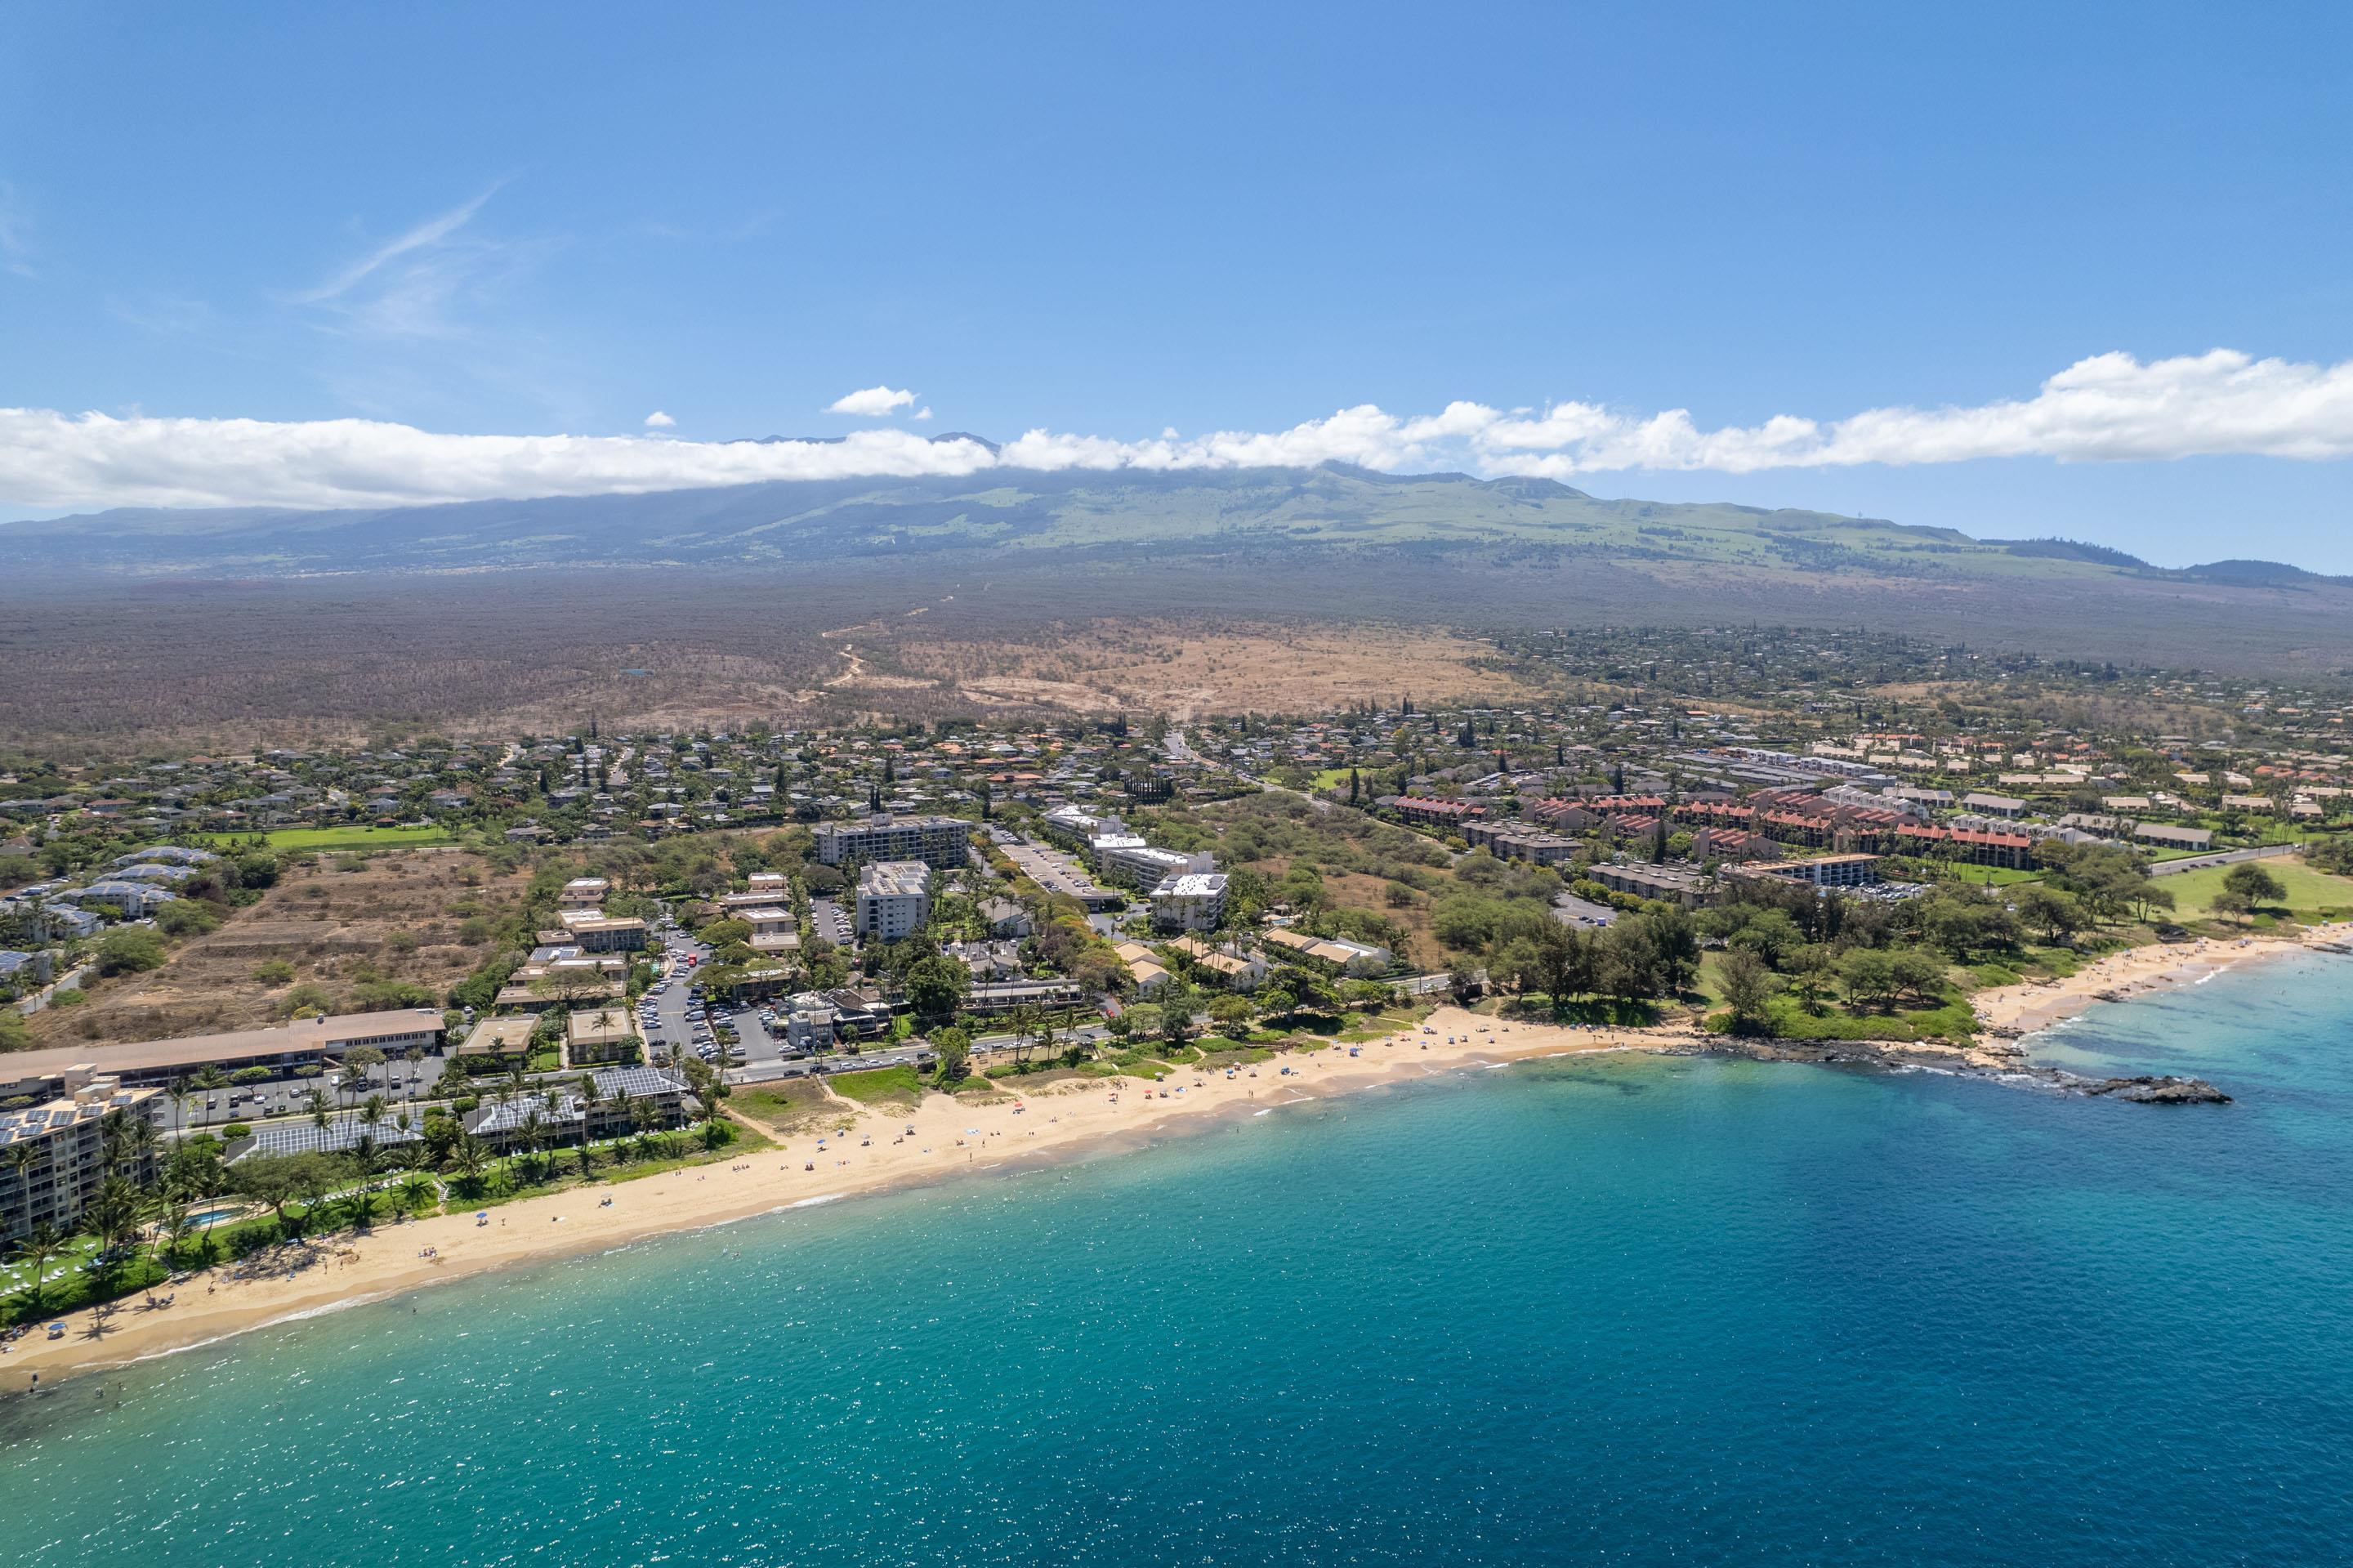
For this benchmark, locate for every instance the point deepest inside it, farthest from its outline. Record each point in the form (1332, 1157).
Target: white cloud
(424, 236)
(658, 420)
(2111, 408)
(872, 402)
(49, 460)
(922, 413)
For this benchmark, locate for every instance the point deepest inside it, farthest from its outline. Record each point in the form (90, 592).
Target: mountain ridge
(1334, 507)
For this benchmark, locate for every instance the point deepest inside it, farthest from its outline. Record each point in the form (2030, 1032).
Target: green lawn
(349, 838)
(1994, 875)
(1952, 1022)
(879, 1086)
(2312, 895)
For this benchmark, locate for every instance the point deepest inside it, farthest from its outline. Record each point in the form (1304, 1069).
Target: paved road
(2223, 857)
(1179, 749)
(1570, 910)
(839, 1061)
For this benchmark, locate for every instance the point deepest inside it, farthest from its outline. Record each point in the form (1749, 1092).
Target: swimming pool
(216, 1213)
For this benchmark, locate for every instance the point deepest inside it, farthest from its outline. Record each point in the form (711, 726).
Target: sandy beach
(2030, 1005)
(948, 1139)
(941, 1140)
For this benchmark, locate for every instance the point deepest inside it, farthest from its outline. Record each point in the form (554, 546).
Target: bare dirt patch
(400, 916)
(1184, 671)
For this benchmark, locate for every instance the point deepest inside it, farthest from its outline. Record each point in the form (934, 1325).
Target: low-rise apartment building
(601, 933)
(1429, 813)
(628, 1100)
(153, 1063)
(598, 1035)
(1334, 954)
(1820, 871)
(774, 930)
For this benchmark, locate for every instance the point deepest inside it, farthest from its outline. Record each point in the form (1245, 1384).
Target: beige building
(66, 1138)
(501, 1041)
(152, 1063)
(598, 1036)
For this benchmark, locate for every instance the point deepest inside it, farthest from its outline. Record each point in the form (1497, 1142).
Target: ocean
(1619, 1310)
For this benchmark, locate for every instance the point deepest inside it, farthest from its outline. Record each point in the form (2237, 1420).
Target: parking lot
(399, 1081)
(829, 922)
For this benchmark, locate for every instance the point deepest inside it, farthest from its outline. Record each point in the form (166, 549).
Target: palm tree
(415, 1057)
(114, 1215)
(130, 1143)
(534, 1133)
(470, 1158)
(364, 1160)
(591, 1097)
(178, 1090)
(212, 1080)
(22, 1158)
(317, 1104)
(41, 1244)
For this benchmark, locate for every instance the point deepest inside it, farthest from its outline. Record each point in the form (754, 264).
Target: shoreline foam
(1067, 1116)
(951, 1139)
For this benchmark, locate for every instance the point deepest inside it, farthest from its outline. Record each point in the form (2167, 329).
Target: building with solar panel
(561, 1114)
(340, 1135)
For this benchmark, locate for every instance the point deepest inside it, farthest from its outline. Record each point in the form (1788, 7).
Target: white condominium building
(942, 841)
(1194, 901)
(893, 899)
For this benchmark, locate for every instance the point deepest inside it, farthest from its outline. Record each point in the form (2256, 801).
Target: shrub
(129, 951)
(236, 1130)
(273, 971)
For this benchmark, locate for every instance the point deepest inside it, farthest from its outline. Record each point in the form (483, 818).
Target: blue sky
(1115, 221)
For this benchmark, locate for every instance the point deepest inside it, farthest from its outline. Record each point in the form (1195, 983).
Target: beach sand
(949, 1140)
(2031, 1005)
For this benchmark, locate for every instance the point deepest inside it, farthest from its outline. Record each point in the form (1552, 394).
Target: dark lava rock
(2165, 1091)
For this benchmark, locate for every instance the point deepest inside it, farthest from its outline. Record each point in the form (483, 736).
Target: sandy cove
(949, 1140)
(2030, 1005)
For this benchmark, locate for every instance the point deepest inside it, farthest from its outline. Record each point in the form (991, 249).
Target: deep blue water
(1628, 1310)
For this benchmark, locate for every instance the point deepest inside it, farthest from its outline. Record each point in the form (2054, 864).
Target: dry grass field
(396, 916)
(1184, 671)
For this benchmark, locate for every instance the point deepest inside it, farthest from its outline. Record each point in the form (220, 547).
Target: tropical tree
(21, 1159)
(40, 1246)
(2253, 883)
(114, 1215)
(469, 1156)
(366, 1160)
(1747, 985)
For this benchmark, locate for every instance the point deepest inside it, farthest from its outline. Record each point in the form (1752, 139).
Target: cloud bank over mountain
(2111, 408)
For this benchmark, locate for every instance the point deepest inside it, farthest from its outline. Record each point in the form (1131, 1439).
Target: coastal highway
(2223, 857)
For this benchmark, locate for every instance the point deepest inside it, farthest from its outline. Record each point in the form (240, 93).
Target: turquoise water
(1626, 1311)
